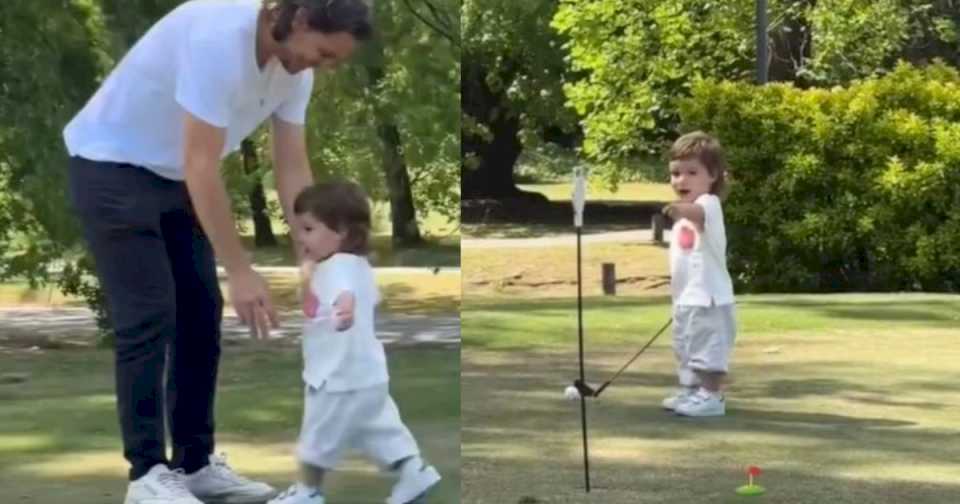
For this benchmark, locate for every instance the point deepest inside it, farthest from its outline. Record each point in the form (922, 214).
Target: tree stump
(656, 224)
(609, 279)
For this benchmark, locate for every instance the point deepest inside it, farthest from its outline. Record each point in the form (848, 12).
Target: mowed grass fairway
(60, 442)
(840, 399)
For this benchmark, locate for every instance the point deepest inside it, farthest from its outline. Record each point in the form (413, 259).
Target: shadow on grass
(562, 482)
(522, 439)
(861, 307)
(59, 439)
(399, 298)
(490, 322)
(443, 252)
(562, 304)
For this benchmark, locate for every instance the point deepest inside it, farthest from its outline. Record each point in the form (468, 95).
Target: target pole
(579, 197)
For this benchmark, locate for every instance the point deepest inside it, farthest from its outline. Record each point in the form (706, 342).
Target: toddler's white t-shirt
(350, 359)
(698, 261)
(201, 57)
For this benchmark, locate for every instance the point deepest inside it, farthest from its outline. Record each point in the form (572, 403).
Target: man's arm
(203, 144)
(290, 164)
(249, 294)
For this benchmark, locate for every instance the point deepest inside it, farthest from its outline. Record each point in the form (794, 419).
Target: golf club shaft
(625, 366)
(583, 400)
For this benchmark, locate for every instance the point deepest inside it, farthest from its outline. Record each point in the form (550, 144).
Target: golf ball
(571, 393)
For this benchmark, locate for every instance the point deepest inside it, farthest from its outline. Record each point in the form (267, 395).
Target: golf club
(586, 390)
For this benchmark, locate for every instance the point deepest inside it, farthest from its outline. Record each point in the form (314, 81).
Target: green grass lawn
(441, 246)
(402, 293)
(840, 399)
(627, 191)
(521, 272)
(435, 251)
(59, 439)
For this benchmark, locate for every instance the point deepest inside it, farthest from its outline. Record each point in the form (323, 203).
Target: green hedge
(844, 189)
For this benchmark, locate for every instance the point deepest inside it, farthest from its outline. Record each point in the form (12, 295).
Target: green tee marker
(750, 488)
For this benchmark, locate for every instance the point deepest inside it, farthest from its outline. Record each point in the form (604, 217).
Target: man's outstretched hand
(250, 297)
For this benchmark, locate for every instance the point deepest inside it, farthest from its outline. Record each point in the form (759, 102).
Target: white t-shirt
(201, 57)
(350, 359)
(698, 261)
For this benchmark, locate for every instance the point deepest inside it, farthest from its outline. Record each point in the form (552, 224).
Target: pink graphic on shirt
(310, 305)
(687, 238)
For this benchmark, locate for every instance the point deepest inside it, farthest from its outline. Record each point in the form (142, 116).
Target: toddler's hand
(343, 311)
(310, 304)
(669, 210)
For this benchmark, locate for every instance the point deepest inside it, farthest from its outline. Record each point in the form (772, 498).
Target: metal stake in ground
(579, 198)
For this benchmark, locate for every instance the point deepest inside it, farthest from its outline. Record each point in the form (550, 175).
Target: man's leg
(194, 360)
(195, 354)
(116, 205)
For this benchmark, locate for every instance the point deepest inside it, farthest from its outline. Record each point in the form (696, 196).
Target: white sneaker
(680, 395)
(416, 478)
(159, 486)
(702, 404)
(299, 494)
(218, 484)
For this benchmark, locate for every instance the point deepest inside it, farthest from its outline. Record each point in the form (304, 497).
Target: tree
(128, 20)
(392, 119)
(639, 57)
(934, 31)
(262, 230)
(405, 231)
(54, 53)
(511, 90)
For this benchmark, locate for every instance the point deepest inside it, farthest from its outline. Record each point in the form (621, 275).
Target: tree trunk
(792, 47)
(262, 230)
(487, 167)
(403, 216)
(492, 176)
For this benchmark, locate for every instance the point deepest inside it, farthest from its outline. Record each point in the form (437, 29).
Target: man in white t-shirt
(145, 183)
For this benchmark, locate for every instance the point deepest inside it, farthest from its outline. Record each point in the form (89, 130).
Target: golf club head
(600, 389)
(584, 389)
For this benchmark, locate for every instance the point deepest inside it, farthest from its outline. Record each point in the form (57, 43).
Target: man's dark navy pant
(157, 270)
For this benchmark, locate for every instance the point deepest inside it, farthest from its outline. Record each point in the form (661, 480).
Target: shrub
(854, 188)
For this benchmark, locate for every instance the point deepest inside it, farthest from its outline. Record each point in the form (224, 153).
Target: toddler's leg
(385, 439)
(329, 421)
(686, 377)
(711, 333)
